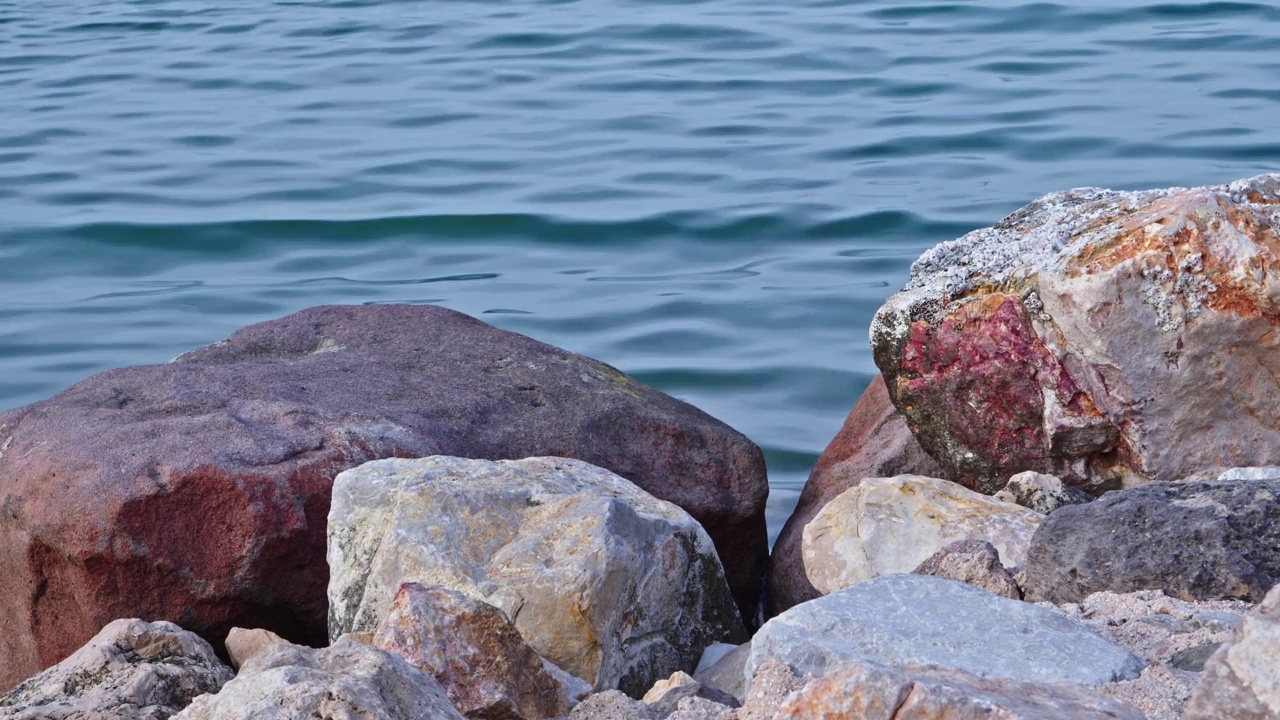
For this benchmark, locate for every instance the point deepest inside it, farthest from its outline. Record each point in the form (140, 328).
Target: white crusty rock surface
(891, 525)
(1108, 338)
(862, 689)
(601, 578)
(348, 679)
(1241, 681)
(131, 670)
(1040, 492)
(923, 620)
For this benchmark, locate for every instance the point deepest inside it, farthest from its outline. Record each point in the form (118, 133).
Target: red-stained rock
(873, 442)
(197, 491)
(1107, 338)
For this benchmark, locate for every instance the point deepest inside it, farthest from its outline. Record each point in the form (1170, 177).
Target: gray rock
(771, 684)
(1193, 659)
(696, 708)
(1269, 472)
(975, 562)
(1241, 681)
(612, 705)
(916, 619)
(665, 696)
(1040, 492)
(237, 445)
(131, 670)
(712, 655)
(600, 577)
(243, 644)
(346, 680)
(1195, 541)
(863, 689)
(727, 673)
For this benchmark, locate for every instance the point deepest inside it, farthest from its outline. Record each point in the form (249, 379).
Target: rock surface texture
(475, 653)
(1195, 541)
(346, 680)
(237, 444)
(916, 619)
(131, 670)
(891, 525)
(1040, 492)
(1108, 338)
(1241, 681)
(974, 562)
(873, 442)
(870, 691)
(601, 578)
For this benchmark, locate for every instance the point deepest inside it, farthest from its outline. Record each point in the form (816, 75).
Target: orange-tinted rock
(873, 442)
(1108, 338)
(197, 491)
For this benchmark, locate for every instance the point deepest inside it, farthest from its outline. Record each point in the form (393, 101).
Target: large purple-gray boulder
(197, 491)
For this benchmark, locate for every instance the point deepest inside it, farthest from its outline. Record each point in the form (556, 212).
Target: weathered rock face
(475, 653)
(346, 680)
(870, 690)
(132, 670)
(237, 444)
(917, 619)
(891, 525)
(665, 696)
(1241, 680)
(1040, 492)
(1195, 541)
(1108, 338)
(975, 562)
(874, 442)
(243, 643)
(771, 683)
(612, 705)
(601, 578)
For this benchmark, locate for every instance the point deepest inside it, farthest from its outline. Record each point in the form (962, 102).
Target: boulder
(863, 689)
(612, 705)
(696, 708)
(131, 670)
(1108, 338)
(891, 525)
(727, 673)
(601, 578)
(873, 442)
(346, 680)
(922, 620)
(666, 695)
(476, 654)
(237, 444)
(1040, 492)
(1241, 681)
(243, 644)
(975, 562)
(771, 684)
(1195, 541)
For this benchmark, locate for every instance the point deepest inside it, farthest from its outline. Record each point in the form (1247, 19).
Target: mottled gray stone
(131, 670)
(584, 562)
(1241, 680)
(726, 674)
(612, 705)
(917, 619)
(1195, 541)
(1269, 472)
(976, 562)
(1040, 492)
(348, 679)
(872, 691)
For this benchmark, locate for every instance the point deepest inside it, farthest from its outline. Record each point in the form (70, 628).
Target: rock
(474, 652)
(1195, 541)
(349, 679)
(601, 578)
(696, 708)
(243, 644)
(917, 619)
(612, 705)
(771, 684)
(869, 690)
(1108, 338)
(727, 673)
(1040, 492)
(1193, 658)
(131, 670)
(975, 562)
(665, 695)
(873, 442)
(1241, 681)
(713, 654)
(1161, 692)
(1270, 472)
(891, 525)
(237, 445)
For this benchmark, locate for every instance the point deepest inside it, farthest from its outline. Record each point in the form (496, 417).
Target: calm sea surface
(712, 195)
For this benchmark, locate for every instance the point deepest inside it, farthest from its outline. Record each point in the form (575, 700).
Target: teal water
(713, 195)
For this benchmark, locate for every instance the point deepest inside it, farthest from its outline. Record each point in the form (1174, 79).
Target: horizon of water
(712, 195)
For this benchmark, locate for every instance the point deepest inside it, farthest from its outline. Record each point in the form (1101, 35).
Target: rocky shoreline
(1060, 499)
